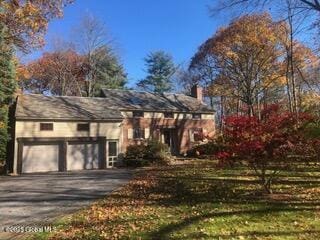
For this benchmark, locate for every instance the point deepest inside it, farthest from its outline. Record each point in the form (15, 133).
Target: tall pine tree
(7, 89)
(160, 69)
(108, 71)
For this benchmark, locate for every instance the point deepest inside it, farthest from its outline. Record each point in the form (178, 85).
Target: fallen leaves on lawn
(125, 211)
(164, 196)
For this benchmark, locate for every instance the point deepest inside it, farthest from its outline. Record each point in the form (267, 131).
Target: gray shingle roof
(67, 108)
(134, 100)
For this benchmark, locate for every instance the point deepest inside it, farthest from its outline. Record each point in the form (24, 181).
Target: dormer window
(196, 116)
(168, 115)
(138, 114)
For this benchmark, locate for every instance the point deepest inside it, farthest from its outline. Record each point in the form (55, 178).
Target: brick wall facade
(154, 127)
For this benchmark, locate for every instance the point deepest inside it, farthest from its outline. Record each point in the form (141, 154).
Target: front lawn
(197, 201)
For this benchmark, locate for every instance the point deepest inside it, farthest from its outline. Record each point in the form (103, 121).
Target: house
(73, 133)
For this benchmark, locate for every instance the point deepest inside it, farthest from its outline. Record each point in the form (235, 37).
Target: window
(83, 127)
(112, 153)
(137, 114)
(196, 116)
(46, 126)
(112, 146)
(168, 115)
(138, 133)
(198, 134)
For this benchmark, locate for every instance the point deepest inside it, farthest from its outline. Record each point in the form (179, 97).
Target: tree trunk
(291, 58)
(221, 113)
(250, 110)
(267, 187)
(258, 107)
(288, 86)
(265, 182)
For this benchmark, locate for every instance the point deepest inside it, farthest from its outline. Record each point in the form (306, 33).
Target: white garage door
(40, 158)
(83, 156)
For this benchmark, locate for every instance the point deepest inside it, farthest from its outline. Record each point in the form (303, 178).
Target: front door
(112, 153)
(169, 139)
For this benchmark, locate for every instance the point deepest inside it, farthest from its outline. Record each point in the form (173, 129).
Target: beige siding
(207, 116)
(65, 129)
(179, 115)
(188, 116)
(153, 115)
(147, 133)
(130, 133)
(128, 114)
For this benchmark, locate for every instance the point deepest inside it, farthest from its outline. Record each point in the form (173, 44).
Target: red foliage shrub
(272, 136)
(211, 148)
(268, 140)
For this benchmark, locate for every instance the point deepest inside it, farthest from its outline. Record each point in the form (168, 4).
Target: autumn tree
(64, 72)
(304, 63)
(245, 57)
(27, 21)
(160, 69)
(7, 88)
(296, 14)
(58, 73)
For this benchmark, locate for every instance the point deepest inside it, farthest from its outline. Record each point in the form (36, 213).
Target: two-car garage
(60, 133)
(50, 155)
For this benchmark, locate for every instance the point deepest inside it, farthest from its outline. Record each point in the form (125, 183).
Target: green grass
(197, 201)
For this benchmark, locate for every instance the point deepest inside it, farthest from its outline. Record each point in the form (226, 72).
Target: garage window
(83, 127)
(46, 126)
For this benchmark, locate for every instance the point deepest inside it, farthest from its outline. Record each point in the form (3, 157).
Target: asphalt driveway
(40, 198)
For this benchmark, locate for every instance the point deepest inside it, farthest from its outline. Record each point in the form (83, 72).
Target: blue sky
(141, 26)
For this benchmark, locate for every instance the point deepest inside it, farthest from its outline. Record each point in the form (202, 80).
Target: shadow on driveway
(39, 198)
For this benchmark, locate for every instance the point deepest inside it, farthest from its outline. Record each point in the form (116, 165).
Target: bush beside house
(153, 152)
(209, 149)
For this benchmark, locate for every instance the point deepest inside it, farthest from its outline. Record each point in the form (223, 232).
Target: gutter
(68, 119)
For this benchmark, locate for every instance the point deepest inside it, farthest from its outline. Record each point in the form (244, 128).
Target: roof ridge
(155, 101)
(56, 96)
(138, 91)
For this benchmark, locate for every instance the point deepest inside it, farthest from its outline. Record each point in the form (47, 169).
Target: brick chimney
(196, 92)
